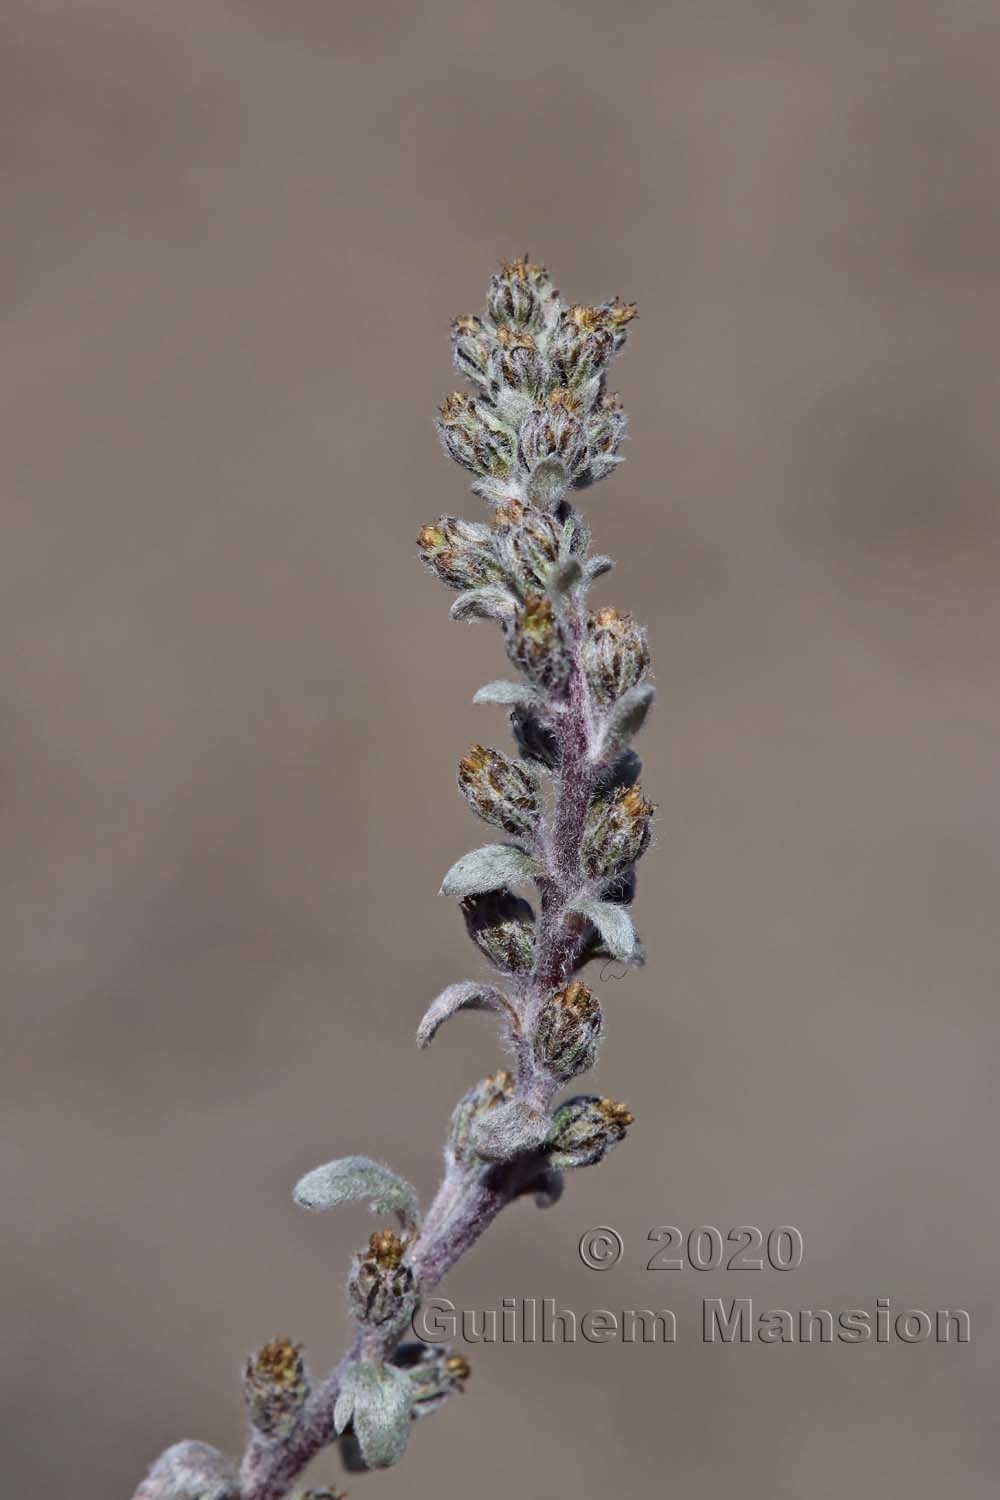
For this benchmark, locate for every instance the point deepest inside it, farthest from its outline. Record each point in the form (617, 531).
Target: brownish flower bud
(385, 1248)
(516, 362)
(615, 654)
(510, 514)
(585, 1129)
(275, 1387)
(462, 553)
(619, 313)
(553, 432)
(434, 1373)
(471, 347)
(613, 314)
(618, 832)
(569, 1031)
(380, 1287)
(587, 337)
(514, 338)
(563, 398)
(474, 436)
(606, 427)
(502, 791)
(535, 644)
(518, 292)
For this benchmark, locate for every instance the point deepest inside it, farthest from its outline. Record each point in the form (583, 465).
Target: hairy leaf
(613, 923)
(510, 1127)
(468, 995)
(376, 1399)
(354, 1177)
(488, 603)
(487, 868)
(507, 692)
(628, 715)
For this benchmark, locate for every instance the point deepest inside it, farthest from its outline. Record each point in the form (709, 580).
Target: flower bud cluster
(522, 552)
(539, 367)
(538, 422)
(533, 543)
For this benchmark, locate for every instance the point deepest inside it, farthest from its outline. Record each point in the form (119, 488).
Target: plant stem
(470, 1197)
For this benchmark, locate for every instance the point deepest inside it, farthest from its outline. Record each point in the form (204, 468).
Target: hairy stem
(470, 1197)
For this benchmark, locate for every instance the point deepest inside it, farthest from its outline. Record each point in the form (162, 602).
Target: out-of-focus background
(232, 704)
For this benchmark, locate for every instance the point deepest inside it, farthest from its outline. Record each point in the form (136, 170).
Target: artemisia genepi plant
(536, 427)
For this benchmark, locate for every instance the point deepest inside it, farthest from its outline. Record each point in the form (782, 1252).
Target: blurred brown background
(232, 706)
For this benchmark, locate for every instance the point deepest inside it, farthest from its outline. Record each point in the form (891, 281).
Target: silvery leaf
(488, 868)
(508, 1129)
(489, 603)
(469, 995)
(507, 692)
(613, 923)
(354, 1177)
(628, 715)
(376, 1399)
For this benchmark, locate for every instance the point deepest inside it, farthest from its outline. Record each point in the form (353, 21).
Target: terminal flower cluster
(545, 896)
